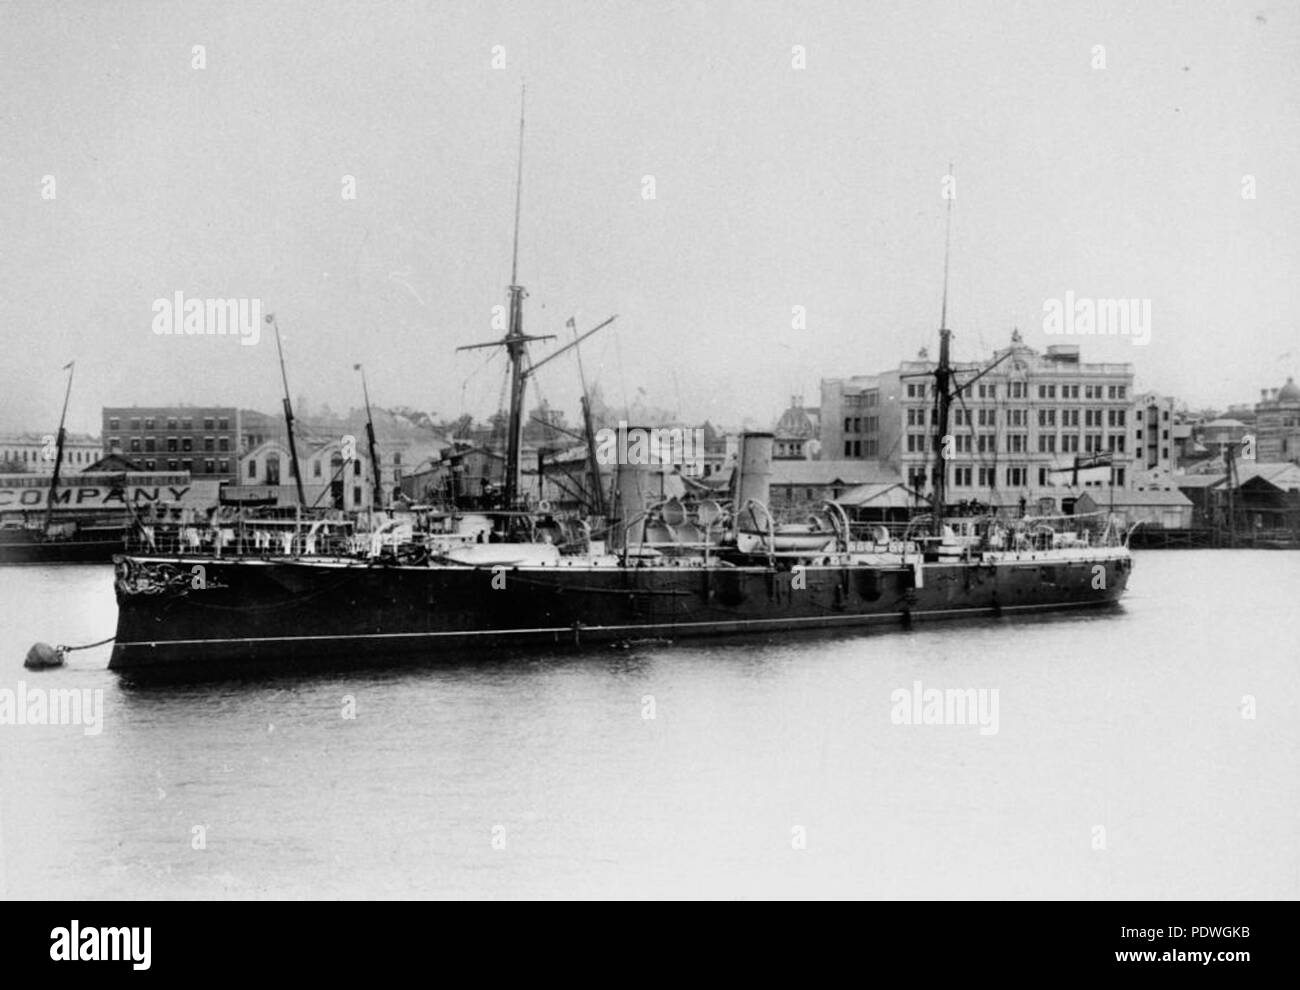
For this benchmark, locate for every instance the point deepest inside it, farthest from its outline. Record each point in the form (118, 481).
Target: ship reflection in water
(1123, 763)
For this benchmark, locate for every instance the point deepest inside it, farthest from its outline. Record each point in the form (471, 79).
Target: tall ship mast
(59, 441)
(516, 344)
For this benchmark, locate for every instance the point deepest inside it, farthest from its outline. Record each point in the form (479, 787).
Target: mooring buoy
(42, 656)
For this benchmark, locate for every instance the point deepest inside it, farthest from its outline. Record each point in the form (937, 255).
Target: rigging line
(464, 385)
(622, 377)
(947, 244)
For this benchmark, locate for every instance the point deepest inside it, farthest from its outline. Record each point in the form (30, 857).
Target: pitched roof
(880, 495)
(844, 472)
(1124, 498)
(1280, 474)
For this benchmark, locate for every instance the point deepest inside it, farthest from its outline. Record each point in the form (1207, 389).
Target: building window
(987, 479)
(208, 423)
(171, 422)
(149, 423)
(1047, 443)
(252, 469)
(223, 423)
(356, 495)
(1047, 391)
(1092, 443)
(187, 465)
(848, 448)
(1047, 417)
(187, 443)
(115, 443)
(150, 465)
(172, 444)
(113, 423)
(223, 443)
(135, 423)
(1116, 442)
(209, 443)
(187, 423)
(209, 467)
(988, 417)
(150, 445)
(1017, 443)
(1016, 477)
(173, 465)
(135, 445)
(1069, 417)
(223, 465)
(1115, 417)
(1164, 453)
(315, 468)
(1070, 443)
(1042, 477)
(1118, 477)
(1069, 391)
(961, 477)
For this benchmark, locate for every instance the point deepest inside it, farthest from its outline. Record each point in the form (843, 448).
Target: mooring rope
(69, 649)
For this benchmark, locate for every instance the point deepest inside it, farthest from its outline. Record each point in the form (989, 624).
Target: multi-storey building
(203, 440)
(33, 453)
(1015, 433)
(1277, 424)
(1154, 442)
(851, 422)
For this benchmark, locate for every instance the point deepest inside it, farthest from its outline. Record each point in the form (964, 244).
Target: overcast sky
(774, 187)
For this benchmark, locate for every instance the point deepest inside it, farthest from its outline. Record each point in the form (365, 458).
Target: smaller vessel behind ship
(30, 536)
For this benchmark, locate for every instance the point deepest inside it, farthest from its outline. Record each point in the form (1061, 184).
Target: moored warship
(668, 566)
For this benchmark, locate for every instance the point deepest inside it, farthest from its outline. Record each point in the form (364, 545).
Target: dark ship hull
(88, 546)
(195, 616)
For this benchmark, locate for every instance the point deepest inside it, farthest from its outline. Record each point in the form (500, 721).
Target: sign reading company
(90, 497)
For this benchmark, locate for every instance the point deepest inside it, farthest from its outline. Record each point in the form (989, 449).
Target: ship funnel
(635, 487)
(753, 470)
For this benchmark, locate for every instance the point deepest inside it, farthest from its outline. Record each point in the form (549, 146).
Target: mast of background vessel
(370, 438)
(515, 341)
(943, 383)
(288, 415)
(58, 449)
